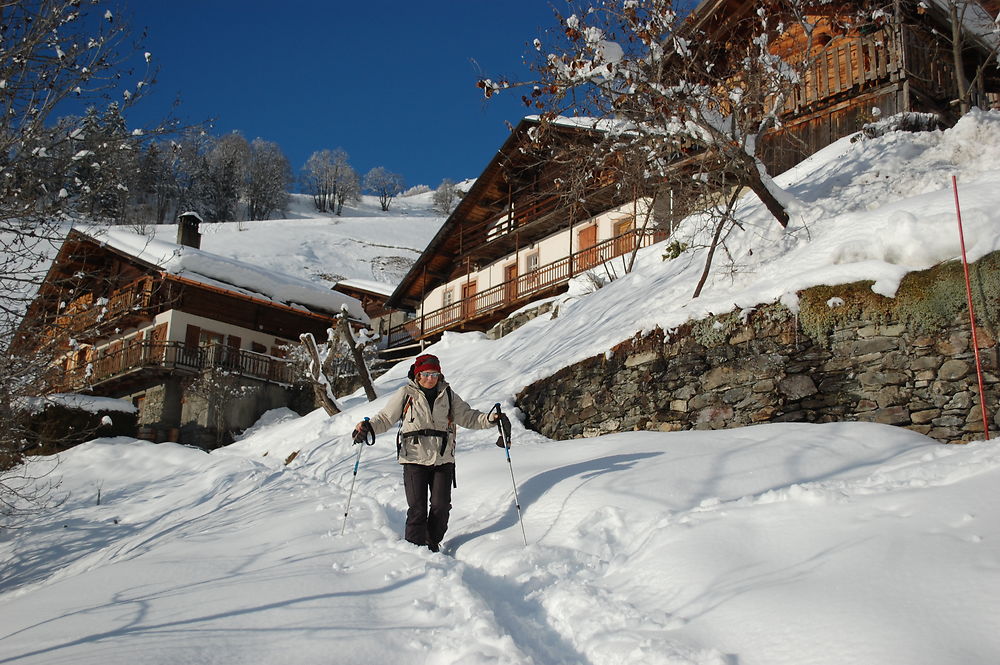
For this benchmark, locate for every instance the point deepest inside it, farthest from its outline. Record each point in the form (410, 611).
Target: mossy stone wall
(848, 354)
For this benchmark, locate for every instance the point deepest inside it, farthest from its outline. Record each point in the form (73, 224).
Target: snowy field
(792, 544)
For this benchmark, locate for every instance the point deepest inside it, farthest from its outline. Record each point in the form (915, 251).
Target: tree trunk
(956, 52)
(725, 218)
(640, 234)
(359, 360)
(757, 186)
(320, 383)
(709, 257)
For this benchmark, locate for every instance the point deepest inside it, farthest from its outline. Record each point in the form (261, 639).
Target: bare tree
(348, 187)
(155, 188)
(446, 197)
(224, 175)
(342, 356)
(971, 27)
(55, 53)
(323, 175)
(384, 184)
(218, 389)
(188, 167)
(269, 176)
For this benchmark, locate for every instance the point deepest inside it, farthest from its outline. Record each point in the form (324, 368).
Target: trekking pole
(504, 442)
(365, 436)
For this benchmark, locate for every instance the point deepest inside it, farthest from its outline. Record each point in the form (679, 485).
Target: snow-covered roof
(587, 122)
(369, 285)
(218, 271)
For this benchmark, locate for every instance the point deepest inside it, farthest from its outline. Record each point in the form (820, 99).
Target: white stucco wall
(177, 323)
(550, 249)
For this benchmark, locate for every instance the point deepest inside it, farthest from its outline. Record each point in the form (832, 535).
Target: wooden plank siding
(245, 311)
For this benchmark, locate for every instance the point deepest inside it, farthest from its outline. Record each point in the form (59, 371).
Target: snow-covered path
(765, 545)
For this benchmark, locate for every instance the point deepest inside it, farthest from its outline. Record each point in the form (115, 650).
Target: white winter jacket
(427, 449)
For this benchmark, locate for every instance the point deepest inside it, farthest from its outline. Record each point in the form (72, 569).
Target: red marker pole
(972, 316)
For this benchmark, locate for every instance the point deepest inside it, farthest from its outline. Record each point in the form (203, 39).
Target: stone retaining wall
(847, 355)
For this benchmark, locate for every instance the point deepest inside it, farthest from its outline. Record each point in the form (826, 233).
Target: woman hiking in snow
(425, 445)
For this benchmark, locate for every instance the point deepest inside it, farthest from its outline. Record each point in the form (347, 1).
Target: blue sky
(392, 82)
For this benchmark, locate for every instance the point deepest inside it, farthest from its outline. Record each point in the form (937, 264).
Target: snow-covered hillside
(363, 243)
(845, 544)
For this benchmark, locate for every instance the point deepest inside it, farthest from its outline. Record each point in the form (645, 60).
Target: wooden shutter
(191, 336)
(468, 299)
(586, 257)
(510, 277)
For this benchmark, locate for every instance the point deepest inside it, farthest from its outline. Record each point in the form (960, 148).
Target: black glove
(503, 441)
(364, 433)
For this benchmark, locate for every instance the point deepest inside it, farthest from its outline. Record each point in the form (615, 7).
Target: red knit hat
(426, 363)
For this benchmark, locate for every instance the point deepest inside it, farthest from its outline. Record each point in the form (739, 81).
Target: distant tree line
(103, 173)
(109, 174)
(332, 182)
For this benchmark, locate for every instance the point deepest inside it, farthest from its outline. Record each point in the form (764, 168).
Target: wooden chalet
(514, 238)
(140, 319)
(861, 71)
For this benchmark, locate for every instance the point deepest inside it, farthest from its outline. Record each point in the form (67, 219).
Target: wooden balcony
(847, 65)
(866, 61)
(87, 316)
(507, 222)
(483, 309)
(166, 357)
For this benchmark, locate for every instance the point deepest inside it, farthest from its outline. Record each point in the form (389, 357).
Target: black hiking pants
(423, 526)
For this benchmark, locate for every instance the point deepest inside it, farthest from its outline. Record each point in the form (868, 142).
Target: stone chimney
(187, 229)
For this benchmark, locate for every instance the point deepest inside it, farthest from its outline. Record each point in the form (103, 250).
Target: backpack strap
(399, 432)
(451, 412)
(451, 429)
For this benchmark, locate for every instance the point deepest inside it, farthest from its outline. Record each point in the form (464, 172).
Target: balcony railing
(523, 288)
(507, 222)
(176, 355)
